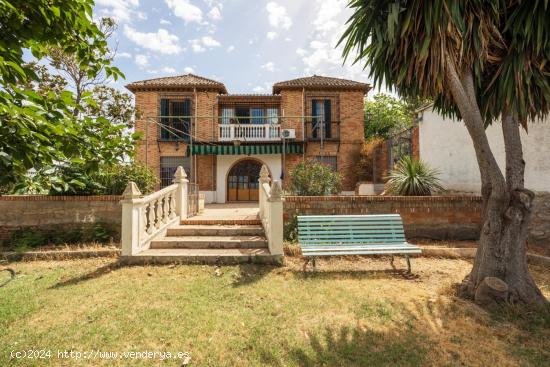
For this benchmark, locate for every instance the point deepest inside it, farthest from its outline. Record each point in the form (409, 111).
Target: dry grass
(353, 312)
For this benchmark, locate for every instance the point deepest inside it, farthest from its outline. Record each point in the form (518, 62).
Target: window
(228, 115)
(329, 160)
(243, 114)
(168, 166)
(175, 119)
(272, 116)
(257, 115)
(321, 123)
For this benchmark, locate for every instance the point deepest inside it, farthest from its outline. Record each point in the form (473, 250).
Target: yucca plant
(411, 177)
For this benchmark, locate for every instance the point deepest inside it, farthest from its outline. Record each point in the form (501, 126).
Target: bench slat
(324, 235)
(364, 252)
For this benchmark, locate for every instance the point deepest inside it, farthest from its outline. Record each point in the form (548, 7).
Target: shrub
(412, 177)
(311, 178)
(364, 166)
(108, 180)
(26, 239)
(290, 230)
(75, 181)
(115, 178)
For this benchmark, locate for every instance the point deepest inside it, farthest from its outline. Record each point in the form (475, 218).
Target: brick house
(223, 139)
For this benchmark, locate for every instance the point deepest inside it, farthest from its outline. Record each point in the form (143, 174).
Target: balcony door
(242, 181)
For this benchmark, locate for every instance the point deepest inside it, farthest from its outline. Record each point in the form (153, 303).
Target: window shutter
(328, 120)
(314, 120)
(164, 120)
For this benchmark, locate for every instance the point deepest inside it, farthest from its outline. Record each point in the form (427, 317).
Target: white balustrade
(145, 218)
(249, 132)
(271, 211)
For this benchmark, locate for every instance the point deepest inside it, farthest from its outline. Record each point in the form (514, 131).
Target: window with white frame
(228, 114)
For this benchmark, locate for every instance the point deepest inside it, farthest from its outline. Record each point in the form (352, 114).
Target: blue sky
(248, 45)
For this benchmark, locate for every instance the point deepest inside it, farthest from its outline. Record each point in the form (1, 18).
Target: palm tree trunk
(506, 203)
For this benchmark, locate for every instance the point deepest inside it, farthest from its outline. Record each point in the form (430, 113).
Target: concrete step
(215, 230)
(223, 222)
(209, 242)
(204, 256)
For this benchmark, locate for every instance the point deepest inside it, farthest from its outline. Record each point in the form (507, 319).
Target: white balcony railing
(249, 132)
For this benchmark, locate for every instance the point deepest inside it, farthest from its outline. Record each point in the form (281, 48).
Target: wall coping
(60, 198)
(439, 198)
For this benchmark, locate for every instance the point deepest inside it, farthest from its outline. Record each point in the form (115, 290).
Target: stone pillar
(130, 220)
(275, 206)
(180, 178)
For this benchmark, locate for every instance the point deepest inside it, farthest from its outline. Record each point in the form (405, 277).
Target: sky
(246, 44)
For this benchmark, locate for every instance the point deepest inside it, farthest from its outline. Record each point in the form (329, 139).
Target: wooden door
(242, 181)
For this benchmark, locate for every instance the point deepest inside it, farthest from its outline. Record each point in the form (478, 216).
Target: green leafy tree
(38, 128)
(484, 62)
(312, 178)
(385, 115)
(411, 177)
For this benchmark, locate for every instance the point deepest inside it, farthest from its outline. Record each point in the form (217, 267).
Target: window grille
(329, 160)
(168, 166)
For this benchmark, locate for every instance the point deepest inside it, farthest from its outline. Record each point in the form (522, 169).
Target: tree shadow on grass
(356, 346)
(98, 272)
(252, 273)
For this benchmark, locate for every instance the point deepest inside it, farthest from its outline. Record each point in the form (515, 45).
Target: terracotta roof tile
(178, 81)
(323, 82)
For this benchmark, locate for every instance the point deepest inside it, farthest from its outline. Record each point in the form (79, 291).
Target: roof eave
(365, 88)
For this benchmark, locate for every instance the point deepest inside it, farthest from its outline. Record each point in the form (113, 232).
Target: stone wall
(539, 229)
(44, 212)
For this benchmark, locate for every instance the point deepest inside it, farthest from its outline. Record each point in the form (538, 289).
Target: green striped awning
(204, 149)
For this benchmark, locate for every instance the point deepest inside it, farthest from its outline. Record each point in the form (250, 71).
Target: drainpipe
(194, 162)
(303, 122)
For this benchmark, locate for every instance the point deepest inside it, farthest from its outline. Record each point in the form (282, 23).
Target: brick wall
(292, 105)
(43, 212)
(149, 149)
(445, 217)
(348, 110)
(433, 217)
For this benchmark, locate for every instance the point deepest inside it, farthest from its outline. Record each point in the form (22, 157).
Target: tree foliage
(505, 42)
(312, 178)
(38, 127)
(385, 115)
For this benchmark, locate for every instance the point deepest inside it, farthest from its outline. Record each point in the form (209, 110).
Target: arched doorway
(242, 181)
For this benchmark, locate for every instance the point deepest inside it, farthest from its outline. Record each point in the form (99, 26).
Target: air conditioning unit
(288, 134)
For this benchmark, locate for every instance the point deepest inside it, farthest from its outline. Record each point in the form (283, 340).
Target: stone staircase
(220, 241)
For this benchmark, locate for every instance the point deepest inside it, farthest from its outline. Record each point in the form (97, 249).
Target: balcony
(249, 132)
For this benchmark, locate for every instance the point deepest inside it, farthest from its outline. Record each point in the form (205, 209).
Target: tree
(385, 115)
(481, 61)
(39, 130)
(67, 63)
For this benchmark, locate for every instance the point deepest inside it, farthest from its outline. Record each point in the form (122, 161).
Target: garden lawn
(354, 312)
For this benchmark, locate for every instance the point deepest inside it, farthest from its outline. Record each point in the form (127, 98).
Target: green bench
(329, 235)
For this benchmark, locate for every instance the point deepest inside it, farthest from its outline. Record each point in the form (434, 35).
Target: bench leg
(391, 262)
(408, 263)
(314, 264)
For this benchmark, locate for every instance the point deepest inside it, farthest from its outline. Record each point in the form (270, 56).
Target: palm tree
(482, 61)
